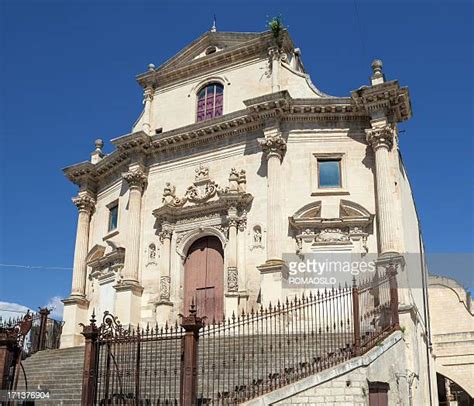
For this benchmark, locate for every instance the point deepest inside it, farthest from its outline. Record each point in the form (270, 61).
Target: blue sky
(68, 77)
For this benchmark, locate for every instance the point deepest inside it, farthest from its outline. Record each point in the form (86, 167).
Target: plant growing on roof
(276, 26)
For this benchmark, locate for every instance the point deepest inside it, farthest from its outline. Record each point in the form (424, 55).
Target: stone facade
(248, 177)
(452, 326)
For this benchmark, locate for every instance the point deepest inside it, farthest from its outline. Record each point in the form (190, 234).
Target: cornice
(257, 113)
(387, 98)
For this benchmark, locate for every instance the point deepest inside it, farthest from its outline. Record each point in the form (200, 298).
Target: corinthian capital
(380, 137)
(84, 203)
(135, 179)
(274, 145)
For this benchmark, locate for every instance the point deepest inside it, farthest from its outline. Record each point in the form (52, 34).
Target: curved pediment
(348, 209)
(350, 214)
(311, 210)
(96, 252)
(312, 231)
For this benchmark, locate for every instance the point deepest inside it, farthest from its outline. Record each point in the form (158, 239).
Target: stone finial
(378, 76)
(151, 67)
(233, 180)
(97, 155)
(99, 144)
(242, 181)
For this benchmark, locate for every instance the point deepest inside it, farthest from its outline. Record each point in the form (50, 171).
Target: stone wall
(452, 324)
(348, 383)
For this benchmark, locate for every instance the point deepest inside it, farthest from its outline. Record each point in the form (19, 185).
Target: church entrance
(204, 278)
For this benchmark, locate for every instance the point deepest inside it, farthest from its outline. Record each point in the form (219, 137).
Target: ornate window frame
(315, 233)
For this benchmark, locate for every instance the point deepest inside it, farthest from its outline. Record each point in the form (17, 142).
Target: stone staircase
(58, 371)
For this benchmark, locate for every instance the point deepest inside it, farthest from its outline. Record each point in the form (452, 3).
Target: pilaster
(129, 290)
(274, 269)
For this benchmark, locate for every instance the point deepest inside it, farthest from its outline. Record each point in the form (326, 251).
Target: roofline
(167, 74)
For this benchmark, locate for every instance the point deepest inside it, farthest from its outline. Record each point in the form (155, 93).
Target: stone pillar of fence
(392, 277)
(44, 313)
(356, 316)
(189, 364)
(91, 334)
(7, 355)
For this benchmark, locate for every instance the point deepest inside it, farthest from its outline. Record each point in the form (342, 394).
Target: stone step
(60, 371)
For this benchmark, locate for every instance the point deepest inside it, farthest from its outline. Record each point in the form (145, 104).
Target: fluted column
(147, 100)
(165, 279)
(381, 140)
(274, 148)
(85, 204)
(136, 180)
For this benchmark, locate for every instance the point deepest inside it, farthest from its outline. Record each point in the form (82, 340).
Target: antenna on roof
(214, 28)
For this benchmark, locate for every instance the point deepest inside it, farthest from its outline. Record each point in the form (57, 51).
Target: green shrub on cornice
(276, 26)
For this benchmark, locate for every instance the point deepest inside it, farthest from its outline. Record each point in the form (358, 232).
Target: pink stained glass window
(210, 102)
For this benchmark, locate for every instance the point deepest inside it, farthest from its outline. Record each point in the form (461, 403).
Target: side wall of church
(348, 383)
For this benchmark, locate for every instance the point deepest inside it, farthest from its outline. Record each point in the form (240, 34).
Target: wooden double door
(204, 278)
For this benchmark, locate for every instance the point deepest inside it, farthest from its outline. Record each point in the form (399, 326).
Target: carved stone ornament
(201, 192)
(165, 232)
(331, 235)
(165, 283)
(312, 230)
(380, 137)
(274, 145)
(204, 190)
(257, 237)
(84, 203)
(135, 179)
(242, 223)
(169, 196)
(232, 280)
(107, 266)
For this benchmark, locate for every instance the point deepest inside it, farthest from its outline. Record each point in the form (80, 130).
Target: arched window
(210, 101)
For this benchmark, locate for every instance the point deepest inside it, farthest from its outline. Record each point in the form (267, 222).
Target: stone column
(128, 299)
(274, 270)
(85, 204)
(147, 113)
(274, 148)
(76, 305)
(136, 180)
(381, 140)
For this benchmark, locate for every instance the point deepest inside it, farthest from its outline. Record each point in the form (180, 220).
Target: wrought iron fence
(248, 355)
(22, 337)
(137, 366)
(230, 361)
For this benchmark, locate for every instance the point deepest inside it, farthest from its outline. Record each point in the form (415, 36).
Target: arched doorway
(204, 278)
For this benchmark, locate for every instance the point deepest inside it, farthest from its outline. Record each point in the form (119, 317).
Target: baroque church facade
(236, 159)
